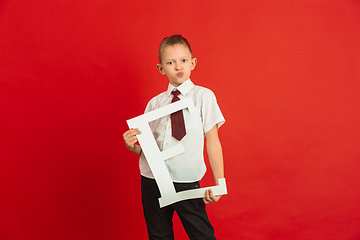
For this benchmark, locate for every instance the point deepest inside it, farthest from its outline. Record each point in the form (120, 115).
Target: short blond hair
(171, 41)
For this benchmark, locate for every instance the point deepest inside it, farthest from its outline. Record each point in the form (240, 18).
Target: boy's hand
(130, 138)
(210, 197)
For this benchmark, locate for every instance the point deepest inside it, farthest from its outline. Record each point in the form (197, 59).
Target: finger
(127, 133)
(135, 131)
(131, 132)
(212, 197)
(131, 142)
(205, 201)
(207, 196)
(130, 137)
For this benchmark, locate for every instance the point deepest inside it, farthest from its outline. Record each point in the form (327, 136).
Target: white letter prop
(156, 158)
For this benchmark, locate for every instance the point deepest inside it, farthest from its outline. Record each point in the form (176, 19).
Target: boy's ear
(193, 63)
(160, 68)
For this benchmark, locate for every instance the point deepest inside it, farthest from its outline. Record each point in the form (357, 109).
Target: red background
(286, 76)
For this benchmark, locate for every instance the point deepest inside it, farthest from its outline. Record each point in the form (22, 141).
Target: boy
(176, 62)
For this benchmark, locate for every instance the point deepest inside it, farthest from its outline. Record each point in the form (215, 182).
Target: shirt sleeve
(150, 105)
(210, 111)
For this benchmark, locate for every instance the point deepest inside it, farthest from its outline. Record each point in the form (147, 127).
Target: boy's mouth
(180, 74)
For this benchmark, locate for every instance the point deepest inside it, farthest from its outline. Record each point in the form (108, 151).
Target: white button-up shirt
(188, 166)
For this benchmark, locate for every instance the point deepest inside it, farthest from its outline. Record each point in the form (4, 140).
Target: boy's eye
(184, 60)
(170, 63)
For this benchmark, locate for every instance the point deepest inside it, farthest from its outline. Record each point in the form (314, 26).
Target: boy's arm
(214, 151)
(130, 140)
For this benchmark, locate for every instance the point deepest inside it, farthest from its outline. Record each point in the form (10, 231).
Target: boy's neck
(176, 85)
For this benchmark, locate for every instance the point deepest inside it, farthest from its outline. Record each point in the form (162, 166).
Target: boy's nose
(178, 66)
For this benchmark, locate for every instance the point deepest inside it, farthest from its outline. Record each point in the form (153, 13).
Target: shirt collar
(184, 88)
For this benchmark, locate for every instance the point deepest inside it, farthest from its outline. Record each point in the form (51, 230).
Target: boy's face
(177, 64)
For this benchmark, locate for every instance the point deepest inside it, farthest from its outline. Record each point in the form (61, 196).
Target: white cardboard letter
(156, 158)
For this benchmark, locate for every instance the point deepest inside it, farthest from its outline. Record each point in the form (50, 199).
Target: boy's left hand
(210, 197)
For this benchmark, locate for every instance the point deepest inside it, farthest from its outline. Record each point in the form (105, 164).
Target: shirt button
(166, 144)
(169, 127)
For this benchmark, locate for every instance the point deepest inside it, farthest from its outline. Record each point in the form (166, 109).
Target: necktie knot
(175, 93)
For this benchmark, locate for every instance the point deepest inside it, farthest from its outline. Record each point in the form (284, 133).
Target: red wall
(286, 75)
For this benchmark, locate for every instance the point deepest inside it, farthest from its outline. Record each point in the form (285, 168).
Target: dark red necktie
(177, 120)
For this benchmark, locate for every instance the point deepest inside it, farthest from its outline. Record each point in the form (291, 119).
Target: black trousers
(192, 213)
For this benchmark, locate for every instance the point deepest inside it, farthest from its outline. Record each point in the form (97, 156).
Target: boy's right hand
(130, 138)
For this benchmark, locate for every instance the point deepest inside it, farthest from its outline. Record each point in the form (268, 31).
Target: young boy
(186, 169)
